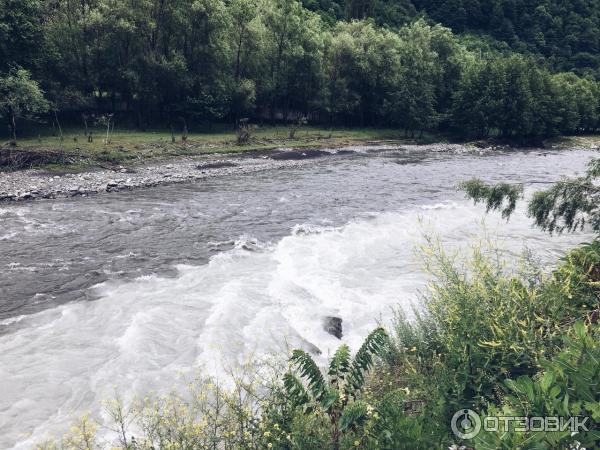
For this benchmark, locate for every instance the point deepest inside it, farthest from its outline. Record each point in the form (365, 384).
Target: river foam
(254, 298)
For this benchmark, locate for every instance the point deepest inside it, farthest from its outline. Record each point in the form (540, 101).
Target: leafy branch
(568, 205)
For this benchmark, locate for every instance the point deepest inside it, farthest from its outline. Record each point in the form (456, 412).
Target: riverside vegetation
(501, 339)
(490, 69)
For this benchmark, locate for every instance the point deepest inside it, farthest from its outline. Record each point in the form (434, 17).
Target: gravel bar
(38, 184)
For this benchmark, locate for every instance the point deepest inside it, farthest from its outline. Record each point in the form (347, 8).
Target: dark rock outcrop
(333, 325)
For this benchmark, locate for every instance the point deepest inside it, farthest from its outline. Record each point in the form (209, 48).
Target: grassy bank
(129, 147)
(75, 152)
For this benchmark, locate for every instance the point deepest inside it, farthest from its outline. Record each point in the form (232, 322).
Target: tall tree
(20, 98)
(22, 39)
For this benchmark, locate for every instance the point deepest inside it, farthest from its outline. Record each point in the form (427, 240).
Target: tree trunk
(185, 131)
(85, 124)
(107, 132)
(14, 127)
(58, 125)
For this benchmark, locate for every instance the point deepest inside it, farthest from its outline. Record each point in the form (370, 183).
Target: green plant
(568, 386)
(578, 276)
(567, 205)
(502, 196)
(20, 97)
(243, 131)
(481, 324)
(338, 392)
(295, 126)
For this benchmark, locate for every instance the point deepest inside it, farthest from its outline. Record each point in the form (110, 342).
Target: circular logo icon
(465, 424)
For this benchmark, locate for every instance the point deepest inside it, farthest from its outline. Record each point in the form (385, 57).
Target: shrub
(568, 386)
(243, 132)
(483, 324)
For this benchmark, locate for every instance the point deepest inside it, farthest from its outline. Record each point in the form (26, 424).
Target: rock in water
(333, 325)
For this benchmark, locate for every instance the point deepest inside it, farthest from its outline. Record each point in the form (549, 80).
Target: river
(123, 292)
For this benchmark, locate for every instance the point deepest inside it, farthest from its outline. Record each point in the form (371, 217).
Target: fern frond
(374, 345)
(354, 415)
(295, 389)
(310, 371)
(339, 365)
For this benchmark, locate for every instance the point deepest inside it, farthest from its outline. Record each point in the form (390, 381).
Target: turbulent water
(123, 292)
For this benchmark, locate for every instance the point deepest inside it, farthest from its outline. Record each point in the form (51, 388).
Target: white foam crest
(249, 243)
(8, 236)
(309, 228)
(12, 320)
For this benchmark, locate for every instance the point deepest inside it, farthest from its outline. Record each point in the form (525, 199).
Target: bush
(568, 386)
(481, 324)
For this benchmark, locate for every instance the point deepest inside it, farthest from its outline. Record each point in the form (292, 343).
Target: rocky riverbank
(34, 184)
(40, 184)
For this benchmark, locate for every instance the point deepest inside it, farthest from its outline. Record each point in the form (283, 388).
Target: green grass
(128, 146)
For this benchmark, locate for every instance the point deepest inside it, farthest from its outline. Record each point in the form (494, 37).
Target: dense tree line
(565, 32)
(158, 62)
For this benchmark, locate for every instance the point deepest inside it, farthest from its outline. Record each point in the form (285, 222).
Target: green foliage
(568, 205)
(22, 39)
(481, 325)
(516, 97)
(568, 386)
(356, 62)
(578, 277)
(477, 328)
(564, 32)
(374, 345)
(502, 196)
(338, 394)
(20, 97)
